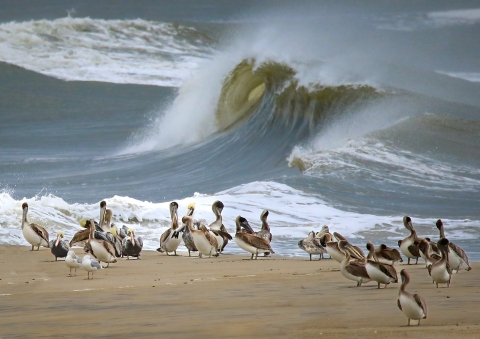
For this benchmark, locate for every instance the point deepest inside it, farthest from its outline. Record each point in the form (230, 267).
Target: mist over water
(342, 114)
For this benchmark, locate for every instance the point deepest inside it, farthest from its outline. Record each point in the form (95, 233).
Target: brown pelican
(250, 242)
(107, 220)
(352, 269)
(440, 271)
(409, 245)
(131, 245)
(426, 252)
(323, 231)
(203, 243)
(456, 255)
(90, 265)
(33, 233)
(170, 239)
(186, 235)
(312, 245)
(387, 255)
(413, 306)
(59, 247)
(377, 271)
(72, 261)
(100, 249)
(355, 251)
(217, 228)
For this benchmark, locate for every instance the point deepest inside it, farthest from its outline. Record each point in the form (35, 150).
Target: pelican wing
(260, 243)
(223, 229)
(414, 250)
(139, 241)
(42, 233)
(459, 251)
(399, 305)
(357, 269)
(81, 235)
(165, 236)
(421, 302)
(108, 246)
(388, 270)
(338, 236)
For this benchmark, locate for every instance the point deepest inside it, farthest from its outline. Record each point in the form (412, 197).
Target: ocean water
(338, 113)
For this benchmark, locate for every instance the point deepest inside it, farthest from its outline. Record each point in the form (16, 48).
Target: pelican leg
(256, 255)
(359, 284)
(310, 257)
(437, 285)
(188, 252)
(252, 257)
(175, 252)
(128, 257)
(379, 286)
(386, 285)
(408, 322)
(38, 247)
(32, 248)
(416, 261)
(408, 263)
(418, 322)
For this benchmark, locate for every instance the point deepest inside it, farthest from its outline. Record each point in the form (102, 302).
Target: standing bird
(377, 271)
(250, 242)
(312, 245)
(456, 255)
(170, 239)
(90, 265)
(100, 249)
(202, 242)
(413, 306)
(72, 261)
(33, 233)
(440, 271)
(217, 228)
(59, 247)
(352, 269)
(409, 245)
(131, 245)
(427, 253)
(186, 235)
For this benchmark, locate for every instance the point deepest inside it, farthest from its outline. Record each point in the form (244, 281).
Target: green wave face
(248, 84)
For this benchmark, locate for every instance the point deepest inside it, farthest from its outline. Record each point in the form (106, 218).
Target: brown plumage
(387, 254)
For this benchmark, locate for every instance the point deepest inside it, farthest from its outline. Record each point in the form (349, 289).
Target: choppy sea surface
(341, 113)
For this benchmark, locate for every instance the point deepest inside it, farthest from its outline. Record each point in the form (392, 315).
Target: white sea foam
(470, 76)
(118, 51)
(293, 214)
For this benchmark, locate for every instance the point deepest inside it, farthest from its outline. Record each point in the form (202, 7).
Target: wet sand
(225, 297)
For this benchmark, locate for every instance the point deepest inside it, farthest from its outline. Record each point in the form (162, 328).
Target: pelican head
(370, 247)
(243, 223)
(191, 209)
(84, 223)
(60, 234)
(217, 207)
(130, 231)
(264, 215)
(114, 230)
(103, 207)
(25, 210)
(343, 245)
(443, 243)
(407, 222)
(439, 224)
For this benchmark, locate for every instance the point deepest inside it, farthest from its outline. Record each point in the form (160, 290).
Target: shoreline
(228, 296)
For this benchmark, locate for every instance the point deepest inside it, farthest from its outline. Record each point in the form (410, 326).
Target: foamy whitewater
(346, 115)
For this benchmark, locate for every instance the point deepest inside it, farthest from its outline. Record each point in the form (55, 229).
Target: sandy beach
(225, 297)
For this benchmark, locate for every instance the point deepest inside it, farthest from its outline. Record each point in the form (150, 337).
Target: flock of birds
(441, 258)
(104, 242)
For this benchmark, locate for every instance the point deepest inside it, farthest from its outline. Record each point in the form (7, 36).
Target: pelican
(413, 306)
(186, 235)
(440, 271)
(131, 245)
(100, 249)
(33, 233)
(379, 272)
(387, 255)
(426, 252)
(170, 239)
(217, 228)
(90, 265)
(72, 261)
(333, 250)
(201, 240)
(59, 247)
(107, 220)
(456, 255)
(312, 245)
(409, 245)
(355, 251)
(352, 269)
(250, 242)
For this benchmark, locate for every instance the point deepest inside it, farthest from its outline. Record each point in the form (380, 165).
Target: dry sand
(225, 297)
